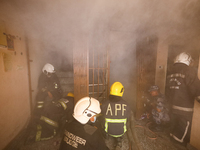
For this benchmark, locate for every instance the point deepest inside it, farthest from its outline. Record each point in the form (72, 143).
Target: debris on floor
(147, 140)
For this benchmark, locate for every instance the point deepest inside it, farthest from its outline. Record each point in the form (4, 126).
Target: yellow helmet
(117, 89)
(70, 94)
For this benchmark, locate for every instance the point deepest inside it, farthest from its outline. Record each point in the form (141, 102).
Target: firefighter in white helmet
(78, 134)
(48, 87)
(116, 113)
(182, 87)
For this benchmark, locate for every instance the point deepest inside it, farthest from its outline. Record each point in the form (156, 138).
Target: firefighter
(181, 89)
(47, 124)
(159, 109)
(116, 114)
(48, 87)
(67, 103)
(78, 134)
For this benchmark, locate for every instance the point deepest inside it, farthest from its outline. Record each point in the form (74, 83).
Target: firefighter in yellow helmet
(116, 113)
(78, 134)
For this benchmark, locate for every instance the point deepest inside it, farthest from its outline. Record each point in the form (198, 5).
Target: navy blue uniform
(50, 84)
(116, 113)
(181, 89)
(45, 85)
(79, 136)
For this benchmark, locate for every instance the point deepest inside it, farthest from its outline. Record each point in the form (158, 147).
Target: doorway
(146, 55)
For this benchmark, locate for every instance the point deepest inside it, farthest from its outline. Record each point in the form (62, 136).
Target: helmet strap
(122, 90)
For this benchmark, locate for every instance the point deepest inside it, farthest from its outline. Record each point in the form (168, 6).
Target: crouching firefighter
(160, 109)
(46, 125)
(48, 86)
(116, 114)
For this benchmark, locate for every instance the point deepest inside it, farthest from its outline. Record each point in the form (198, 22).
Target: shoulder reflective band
(40, 102)
(49, 121)
(107, 120)
(182, 108)
(63, 104)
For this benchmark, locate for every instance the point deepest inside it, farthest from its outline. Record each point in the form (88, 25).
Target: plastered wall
(14, 88)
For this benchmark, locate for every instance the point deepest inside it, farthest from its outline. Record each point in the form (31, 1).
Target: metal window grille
(99, 74)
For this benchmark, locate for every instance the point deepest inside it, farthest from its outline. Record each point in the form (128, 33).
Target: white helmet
(184, 58)
(85, 109)
(48, 68)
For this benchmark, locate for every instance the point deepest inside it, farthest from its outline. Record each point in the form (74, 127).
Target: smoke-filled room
(99, 75)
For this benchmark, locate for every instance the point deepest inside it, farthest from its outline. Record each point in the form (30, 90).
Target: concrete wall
(14, 88)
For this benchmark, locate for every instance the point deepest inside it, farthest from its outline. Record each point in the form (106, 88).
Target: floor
(144, 139)
(149, 140)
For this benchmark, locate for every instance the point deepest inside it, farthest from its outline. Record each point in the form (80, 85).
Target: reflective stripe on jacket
(115, 122)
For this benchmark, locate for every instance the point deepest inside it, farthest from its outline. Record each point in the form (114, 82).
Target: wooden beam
(81, 67)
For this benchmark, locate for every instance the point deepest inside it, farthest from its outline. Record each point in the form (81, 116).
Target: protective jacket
(52, 116)
(46, 86)
(50, 84)
(66, 107)
(181, 88)
(79, 136)
(116, 113)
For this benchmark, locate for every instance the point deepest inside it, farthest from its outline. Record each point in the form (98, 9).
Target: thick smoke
(58, 20)
(114, 25)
